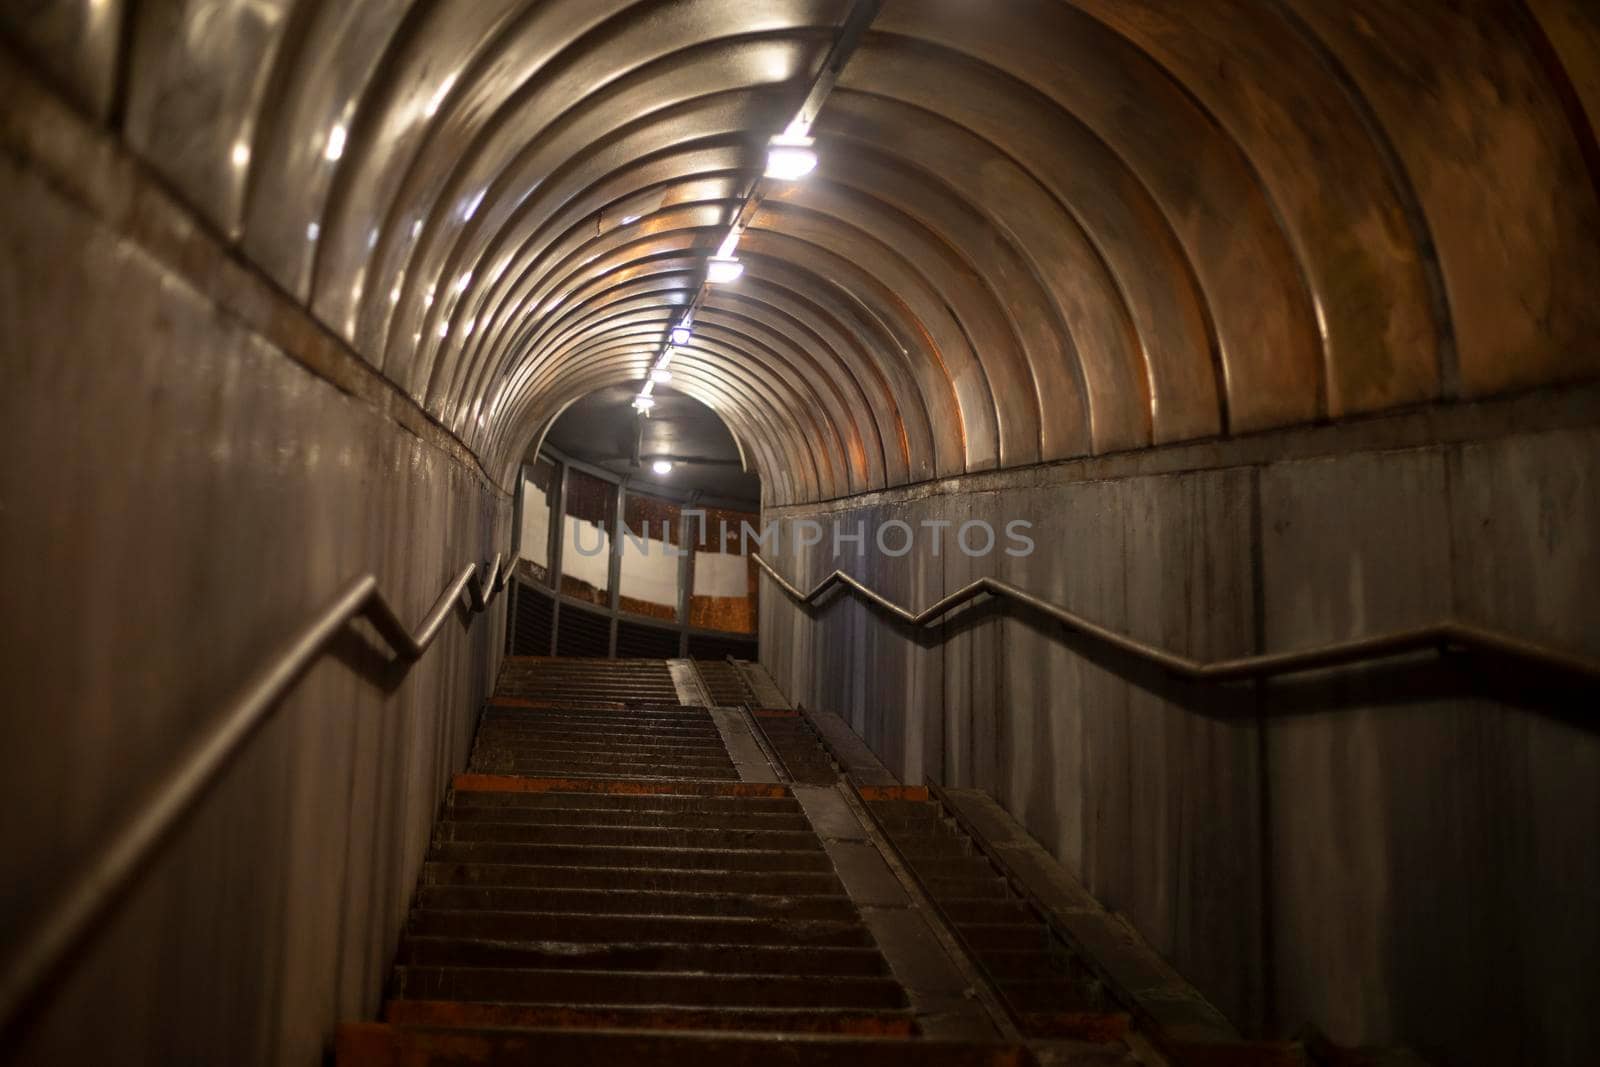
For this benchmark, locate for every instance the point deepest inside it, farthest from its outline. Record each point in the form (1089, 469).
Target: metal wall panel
(180, 495)
(1372, 852)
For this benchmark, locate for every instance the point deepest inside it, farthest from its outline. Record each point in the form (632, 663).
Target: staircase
(625, 876)
(1048, 994)
(602, 887)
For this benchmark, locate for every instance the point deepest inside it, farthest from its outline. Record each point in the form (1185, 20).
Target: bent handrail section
(1439, 636)
(52, 943)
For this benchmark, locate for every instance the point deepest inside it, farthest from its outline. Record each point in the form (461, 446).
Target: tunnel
(1157, 622)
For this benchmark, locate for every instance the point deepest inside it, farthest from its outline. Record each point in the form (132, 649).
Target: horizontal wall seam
(1439, 425)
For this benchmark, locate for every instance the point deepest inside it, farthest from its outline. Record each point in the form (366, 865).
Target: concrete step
(920, 811)
(602, 764)
(557, 732)
(632, 856)
(650, 836)
(961, 867)
(516, 880)
(990, 910)
(1048, 994)
(566, 752)
(556, 800)
(895, 825)
(691, 989)
(556, 769)
(983, 936)
(417, 951)
(388, 1045)
(1026, 964)
(677, 820)
(798, 746)
(698, 929)
(969, 888)
(632, 717)
(488, 742)
(780, 1022)
(543, 723)
(592, 688)
(941, 845)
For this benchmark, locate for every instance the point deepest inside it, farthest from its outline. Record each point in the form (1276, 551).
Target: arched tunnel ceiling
(1039, 230)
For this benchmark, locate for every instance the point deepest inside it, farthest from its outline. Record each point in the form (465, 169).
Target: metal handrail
(1439, 636)
(53, 941)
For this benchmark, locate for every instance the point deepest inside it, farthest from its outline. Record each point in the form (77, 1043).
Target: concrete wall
(192, 468)
(1395, 855)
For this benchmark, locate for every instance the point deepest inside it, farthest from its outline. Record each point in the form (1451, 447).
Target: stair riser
(515, 833)
(512, 926)
(666, 820)
(855, 963)
(687, 989)
(644, 858)
(627, 802)
(512, 886)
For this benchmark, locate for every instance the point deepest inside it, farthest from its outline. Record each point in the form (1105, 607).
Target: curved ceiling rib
(1040, 229)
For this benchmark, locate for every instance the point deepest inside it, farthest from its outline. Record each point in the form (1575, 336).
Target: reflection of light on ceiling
(416, 228)
(241, 154)
(443, 91)
(472, 205)
(312, 231)
(466, 331)
(629, 220)
(335, 147)
(466, 280)
(444, 330)
(427, 298)
(394, 295)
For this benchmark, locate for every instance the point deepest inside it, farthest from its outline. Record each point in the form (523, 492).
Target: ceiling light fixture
(790, 158)
(720, 270)
(791, 155)
(660, 375)
(643, 403)
(662, 466)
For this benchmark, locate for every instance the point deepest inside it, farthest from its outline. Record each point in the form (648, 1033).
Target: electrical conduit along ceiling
(1038, 229)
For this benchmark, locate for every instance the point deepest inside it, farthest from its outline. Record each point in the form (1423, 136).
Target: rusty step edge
(385, 1045)
(490, 1015)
